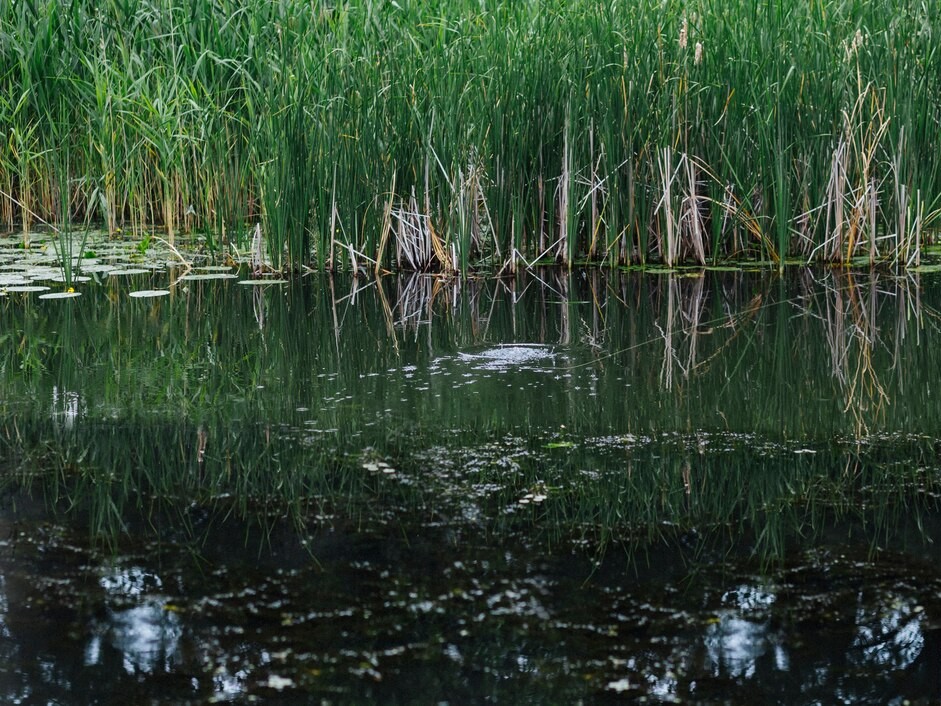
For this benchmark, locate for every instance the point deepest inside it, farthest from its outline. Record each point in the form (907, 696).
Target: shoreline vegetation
(451, 136)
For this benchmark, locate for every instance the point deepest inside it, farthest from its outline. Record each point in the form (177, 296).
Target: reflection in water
(400, 618)
(541, 489)
(67, 407)
(510, 357)
(739, 637)
(894, 640)
(735, 645)
(146, 636)
(144, 632)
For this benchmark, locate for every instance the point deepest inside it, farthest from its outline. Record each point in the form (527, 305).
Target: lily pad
(27, 288)
(262, 281)
(208, 275)
(149, 293)
(35, 273)
(97, 267)
(60, 295)
(129, 271)
(59, 277)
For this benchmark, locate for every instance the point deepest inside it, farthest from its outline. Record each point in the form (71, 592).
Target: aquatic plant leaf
(58, 277)
(149, 293)
(208, 275)
(262, 281)
(60, 295)
(129, 271)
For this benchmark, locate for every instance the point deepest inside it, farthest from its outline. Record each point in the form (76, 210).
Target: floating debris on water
(510, 356)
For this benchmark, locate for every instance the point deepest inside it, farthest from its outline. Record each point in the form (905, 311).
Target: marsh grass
(473, 135)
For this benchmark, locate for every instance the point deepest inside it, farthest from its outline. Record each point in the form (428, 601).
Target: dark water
(719, 488)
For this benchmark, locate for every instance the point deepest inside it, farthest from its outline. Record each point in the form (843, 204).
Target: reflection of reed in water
(278, 416)
(685, 304)
(849, 317)
(413, 303)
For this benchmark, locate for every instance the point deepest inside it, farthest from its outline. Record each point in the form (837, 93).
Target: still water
(703, 487)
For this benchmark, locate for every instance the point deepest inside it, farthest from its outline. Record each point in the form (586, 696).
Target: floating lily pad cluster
(29, 264)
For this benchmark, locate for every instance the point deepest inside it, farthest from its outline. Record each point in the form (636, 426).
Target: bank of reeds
(454, 135)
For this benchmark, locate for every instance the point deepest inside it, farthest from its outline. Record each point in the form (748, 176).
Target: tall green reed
(508, 134)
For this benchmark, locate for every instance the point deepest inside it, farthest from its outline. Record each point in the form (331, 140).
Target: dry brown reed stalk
(682, 228)
(563, 196)
(851, 201)
(691, 217)
(386, 228)
(176, 252)
(666, 233)
(412, 237)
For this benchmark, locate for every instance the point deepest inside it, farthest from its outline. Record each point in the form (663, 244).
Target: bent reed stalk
(515, 132)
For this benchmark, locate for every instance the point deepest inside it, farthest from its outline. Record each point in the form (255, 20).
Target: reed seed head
(852, 48)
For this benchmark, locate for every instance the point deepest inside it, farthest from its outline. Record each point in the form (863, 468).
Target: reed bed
(465, 135)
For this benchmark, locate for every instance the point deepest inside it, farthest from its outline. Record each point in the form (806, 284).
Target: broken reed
(458, 135)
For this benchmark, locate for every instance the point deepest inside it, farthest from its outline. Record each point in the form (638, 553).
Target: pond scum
(488, 135)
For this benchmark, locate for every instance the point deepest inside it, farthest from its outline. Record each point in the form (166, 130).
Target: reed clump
(459, 135)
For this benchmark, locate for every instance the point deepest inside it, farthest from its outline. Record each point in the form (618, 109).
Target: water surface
(703, 487)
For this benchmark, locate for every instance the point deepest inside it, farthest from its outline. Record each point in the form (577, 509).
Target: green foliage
(538, 131)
